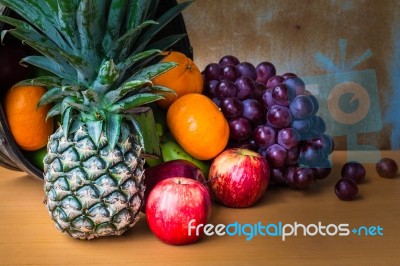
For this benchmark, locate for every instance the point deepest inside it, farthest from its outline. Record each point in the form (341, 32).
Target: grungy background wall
(329, 42)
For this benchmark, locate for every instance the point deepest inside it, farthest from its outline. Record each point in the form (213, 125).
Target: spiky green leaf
(133, 59)
(41, 15)
(137, 12)
(153, 11)
(49, 96)
(153, 71)
(66, 20)
(131, 86)
(81, 108)
(135, 101)
(66, 114)
(60, 69)
(90, 25)
(160, 88)
(46, 81)
(57, 93)
(54, 110)
(115, 19)
(145, 120)
(108, 73)
(86, 71)
(163, 20)
(123, 45)
(95, 127)
(91, 96)
(76, 125)
(137, 127)
(113, 128)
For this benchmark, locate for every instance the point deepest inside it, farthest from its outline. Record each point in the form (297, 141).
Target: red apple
(174, 168)
(175, 207)
(238, 177)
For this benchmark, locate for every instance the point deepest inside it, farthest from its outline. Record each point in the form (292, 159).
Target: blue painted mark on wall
(393, 114)
(348, 99)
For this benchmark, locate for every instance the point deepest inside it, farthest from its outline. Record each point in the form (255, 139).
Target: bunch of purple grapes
(274, 115)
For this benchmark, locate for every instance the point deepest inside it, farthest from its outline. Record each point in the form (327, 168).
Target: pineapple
(101, 54)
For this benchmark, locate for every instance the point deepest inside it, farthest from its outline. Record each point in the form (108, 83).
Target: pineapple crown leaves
(100, 51)
(78, 34)
(99, 107)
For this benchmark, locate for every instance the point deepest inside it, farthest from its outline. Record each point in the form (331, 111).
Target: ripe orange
(184, 78)
(28, 123)
(198, 125)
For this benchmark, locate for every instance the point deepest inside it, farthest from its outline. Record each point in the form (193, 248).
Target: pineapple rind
(102, 194)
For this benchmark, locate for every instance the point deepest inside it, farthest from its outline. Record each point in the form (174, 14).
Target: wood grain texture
(28, 236)
(289, 33)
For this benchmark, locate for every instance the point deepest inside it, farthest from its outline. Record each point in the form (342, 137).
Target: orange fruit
(28, 123)
(198, 125)
(184, 78)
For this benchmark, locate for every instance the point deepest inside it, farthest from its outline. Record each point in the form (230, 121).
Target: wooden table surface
(28, 236)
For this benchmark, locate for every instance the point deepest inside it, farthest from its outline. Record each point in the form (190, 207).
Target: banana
(171, 150)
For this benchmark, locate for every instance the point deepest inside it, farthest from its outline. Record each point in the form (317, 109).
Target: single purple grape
(240, 128)
(387, 167)
(323, 169)
(296, 84)
(228, 72)
(211, 72)
(266, 99)
(301, 107)
(292, 158)
(253, 111)
(264, 136)
(228, 60)
(309, 155)
(323, 142)
(277, 176)
(275, 155)
(279, 116)
(231, 107)
(299, 177)
(354, 170)
(346, 189)
(259, 89)
(245, 87)
(265, 70)
(274, 80)
(282, 95)
(321, 173)
(288, 138)
(209, 88)
(247, 69)
(315, 103)
(225, 88)
(302, 125)
(318, 124)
